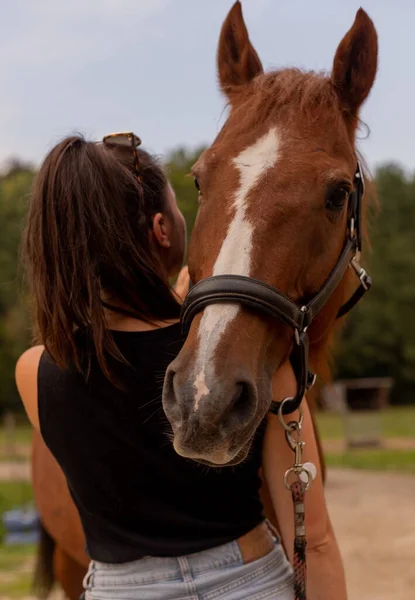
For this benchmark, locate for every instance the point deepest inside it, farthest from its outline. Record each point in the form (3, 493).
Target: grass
(16, 570)
(396, 422)
(16, 562)
(11, 557)
(22, 435)
(18, 587)
(22, 439)
(402, 461)
(14, 494)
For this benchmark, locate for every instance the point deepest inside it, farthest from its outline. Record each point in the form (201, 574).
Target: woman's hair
(87, 234)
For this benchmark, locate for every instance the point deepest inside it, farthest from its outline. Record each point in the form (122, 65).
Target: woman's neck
(118, 319)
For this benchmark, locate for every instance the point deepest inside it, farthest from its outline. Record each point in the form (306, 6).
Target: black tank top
(134, 494)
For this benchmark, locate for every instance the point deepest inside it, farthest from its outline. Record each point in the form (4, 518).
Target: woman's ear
(160, 231)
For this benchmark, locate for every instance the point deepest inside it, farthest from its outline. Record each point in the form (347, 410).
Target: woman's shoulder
(26, 373)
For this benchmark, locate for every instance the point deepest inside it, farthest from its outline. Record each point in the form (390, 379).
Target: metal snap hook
(297, 471)
(287, 427)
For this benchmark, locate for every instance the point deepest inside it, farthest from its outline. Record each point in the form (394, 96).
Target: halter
(261, 297)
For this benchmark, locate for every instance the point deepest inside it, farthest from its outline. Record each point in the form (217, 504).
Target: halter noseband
(259, 296)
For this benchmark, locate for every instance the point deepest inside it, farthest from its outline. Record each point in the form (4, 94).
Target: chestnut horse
(280, 191)
(278, 174)
(61, 556)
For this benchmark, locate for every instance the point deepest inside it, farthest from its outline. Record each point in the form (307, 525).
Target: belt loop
(88, 580)
(273, 530)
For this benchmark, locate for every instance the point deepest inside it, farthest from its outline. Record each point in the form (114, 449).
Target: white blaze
(236, 252)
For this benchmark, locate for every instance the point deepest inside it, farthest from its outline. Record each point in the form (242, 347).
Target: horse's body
(277, 175)
(61, 555)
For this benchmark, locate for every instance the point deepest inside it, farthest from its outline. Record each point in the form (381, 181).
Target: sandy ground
(14, 471)
(374, 518)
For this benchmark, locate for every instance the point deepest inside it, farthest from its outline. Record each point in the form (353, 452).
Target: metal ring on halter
(285, 425)
(297, 471)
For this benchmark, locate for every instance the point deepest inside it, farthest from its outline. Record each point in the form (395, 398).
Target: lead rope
(298, 487)
(300, 542)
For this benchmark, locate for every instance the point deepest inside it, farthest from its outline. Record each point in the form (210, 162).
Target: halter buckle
(361, 273)
(311, 380)
(302, 329)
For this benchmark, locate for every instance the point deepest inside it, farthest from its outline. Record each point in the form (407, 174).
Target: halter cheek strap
(261, 297)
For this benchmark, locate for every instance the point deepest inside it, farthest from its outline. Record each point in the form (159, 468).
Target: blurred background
(149, 66)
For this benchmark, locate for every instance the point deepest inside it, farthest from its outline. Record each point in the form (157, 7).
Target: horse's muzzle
(213, 423)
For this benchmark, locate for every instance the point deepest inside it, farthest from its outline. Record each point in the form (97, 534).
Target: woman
(104, 235)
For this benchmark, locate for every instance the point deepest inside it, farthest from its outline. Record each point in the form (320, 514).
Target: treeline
(378, 340)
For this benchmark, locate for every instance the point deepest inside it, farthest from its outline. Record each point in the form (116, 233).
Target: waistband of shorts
(255, 544)
(258, 542)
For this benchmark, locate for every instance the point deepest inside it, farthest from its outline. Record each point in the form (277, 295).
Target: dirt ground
(374, 518)
(14, 471)
(373, 515)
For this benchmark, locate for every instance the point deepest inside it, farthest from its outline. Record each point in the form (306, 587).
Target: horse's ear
(355, 63)
(238, 62)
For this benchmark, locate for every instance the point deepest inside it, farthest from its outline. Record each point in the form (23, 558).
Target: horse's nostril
(242, 407)
(243, 402)
(170, 404)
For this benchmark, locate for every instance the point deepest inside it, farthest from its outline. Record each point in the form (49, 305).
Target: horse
(61, 556)
(280, 221)
(280, 165)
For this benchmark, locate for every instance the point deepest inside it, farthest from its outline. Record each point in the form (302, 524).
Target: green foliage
(14, 322)
(178, 167)
(379, 339)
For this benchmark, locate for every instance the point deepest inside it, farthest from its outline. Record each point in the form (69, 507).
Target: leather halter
(261, 297)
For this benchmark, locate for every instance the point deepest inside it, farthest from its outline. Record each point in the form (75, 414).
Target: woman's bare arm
(26, 381)
(325, 575)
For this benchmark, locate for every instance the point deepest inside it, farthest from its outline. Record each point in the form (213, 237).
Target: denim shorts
(216, 574)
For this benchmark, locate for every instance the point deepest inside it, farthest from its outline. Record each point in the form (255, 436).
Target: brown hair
(88, 233)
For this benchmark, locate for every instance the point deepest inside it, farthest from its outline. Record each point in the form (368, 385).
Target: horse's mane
(286, 87)
(272, 92)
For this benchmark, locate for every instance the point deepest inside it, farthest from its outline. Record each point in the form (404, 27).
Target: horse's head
(274, 189)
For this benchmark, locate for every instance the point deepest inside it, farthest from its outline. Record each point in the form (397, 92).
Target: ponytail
(87, 233)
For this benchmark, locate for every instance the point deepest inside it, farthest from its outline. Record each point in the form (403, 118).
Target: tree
(379, 339)
(14, 321)
(15, 186)
(178, 166)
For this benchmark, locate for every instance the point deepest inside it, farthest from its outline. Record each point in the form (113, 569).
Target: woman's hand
(182, 284)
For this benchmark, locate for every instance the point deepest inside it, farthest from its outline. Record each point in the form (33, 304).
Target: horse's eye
(337, 198)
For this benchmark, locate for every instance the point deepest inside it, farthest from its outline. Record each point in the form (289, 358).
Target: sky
(98, 66)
